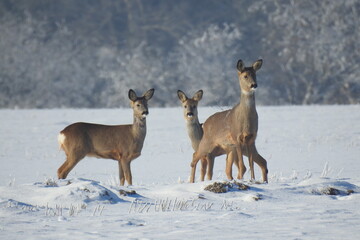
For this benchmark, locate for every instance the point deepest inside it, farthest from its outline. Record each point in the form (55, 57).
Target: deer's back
(97, 139)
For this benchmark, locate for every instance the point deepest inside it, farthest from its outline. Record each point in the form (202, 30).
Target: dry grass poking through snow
(223, 187)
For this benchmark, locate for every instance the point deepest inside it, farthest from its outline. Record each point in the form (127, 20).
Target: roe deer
(122, 143)
(235, 129)
(195, 132)
(193, 126)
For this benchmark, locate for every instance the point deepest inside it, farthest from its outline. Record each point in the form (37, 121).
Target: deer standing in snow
(195, 132)
(235, 129)
(122, 143)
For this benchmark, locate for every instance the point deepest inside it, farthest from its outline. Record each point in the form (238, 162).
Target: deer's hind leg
(60, 171)
(194, 162)
(259, 160)
(73, 156)
(263, 165)
(68, 165)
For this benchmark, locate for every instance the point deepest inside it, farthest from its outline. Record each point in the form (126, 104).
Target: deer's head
(190, 104)
(247, 76)
(139, 104)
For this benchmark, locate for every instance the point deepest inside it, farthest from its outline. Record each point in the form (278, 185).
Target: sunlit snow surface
(313, 156)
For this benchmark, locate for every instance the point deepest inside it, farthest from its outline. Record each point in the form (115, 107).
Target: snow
(312, 151)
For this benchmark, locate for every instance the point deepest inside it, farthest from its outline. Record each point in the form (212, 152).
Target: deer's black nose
(254, 85)
(190, 114)
(145, 113)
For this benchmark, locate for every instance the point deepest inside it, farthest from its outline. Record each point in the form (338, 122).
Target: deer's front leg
(204, 164)
(192, 174)
(210, 168)
(240, 162)
(125, 165)
(229, 163)
(250, 150)
(193, 164)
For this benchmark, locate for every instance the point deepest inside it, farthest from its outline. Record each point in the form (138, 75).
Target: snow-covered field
(311, 151)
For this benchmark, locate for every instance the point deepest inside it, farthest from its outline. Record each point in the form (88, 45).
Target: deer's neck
(247, 102)
(245, 115)
(139, 127)
(195, 132)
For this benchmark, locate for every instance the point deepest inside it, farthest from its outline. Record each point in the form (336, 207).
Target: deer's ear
(198, 95)
(257, 65)
(240, 66)
(182, 96)
(149, 93)
(132, 95)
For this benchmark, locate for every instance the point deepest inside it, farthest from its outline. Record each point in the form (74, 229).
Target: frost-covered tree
(206, 60)
(203, 60)
(312, 49)
(139, 68)
(66, 54)
(44, 65)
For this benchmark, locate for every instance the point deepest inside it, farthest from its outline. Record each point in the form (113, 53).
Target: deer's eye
(185, 106)
(246, 76)
(138, 105)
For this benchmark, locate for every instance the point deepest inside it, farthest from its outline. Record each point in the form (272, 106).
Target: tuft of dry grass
(331, 191)
(223, 187)
(127, 193)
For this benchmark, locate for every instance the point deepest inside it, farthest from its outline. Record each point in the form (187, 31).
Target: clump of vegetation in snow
(223, 187)
(126, 193)
(241, 186)
(218, 187)
(331, 191)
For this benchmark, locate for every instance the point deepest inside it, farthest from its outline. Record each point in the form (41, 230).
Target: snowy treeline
(88, 54)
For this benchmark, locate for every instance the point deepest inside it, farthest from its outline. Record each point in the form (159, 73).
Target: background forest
(88, 53)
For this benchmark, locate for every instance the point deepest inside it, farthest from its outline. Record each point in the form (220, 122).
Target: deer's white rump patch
(61, 139)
